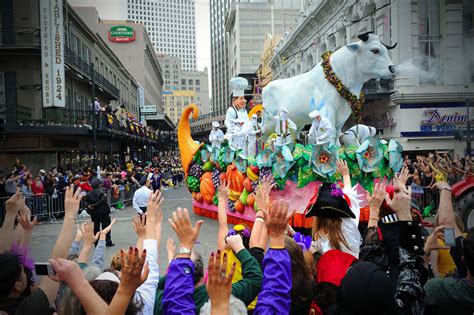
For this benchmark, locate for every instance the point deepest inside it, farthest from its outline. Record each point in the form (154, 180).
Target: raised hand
(109, 227)
(375, 201)
(235, 242)
(219, 284)
(441, 185)
(262, 193)
(155, 200)
(278, 217)
(15, 203)
(432, 240)
(88, 232)
(401, 202)
(72, 200)
(139, 226)
(181, 224)
(67, 271)
(342, 168)
(223, 190)
(24, 221)
(132, 266)
(404, 176)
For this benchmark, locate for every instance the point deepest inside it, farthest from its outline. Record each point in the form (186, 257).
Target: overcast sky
(203, 36)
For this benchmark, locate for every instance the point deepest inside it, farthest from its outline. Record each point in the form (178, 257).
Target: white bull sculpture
(354, 64)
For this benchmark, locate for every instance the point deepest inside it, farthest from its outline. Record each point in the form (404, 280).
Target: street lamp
(94, 120)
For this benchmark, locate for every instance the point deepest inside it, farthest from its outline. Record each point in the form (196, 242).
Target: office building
(183, 87)
(46, 117)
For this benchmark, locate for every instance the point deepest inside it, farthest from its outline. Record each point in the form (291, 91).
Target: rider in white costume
(237, 109)
(284, 127)
(252, 134)
(216, 137)
(321, 130)
(357, 134)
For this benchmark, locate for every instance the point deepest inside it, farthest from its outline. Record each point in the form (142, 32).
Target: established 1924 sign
(121, 34)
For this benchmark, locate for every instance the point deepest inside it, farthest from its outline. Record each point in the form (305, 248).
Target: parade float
(297, 169)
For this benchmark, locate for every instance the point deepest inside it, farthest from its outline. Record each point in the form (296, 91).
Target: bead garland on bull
(354, 102)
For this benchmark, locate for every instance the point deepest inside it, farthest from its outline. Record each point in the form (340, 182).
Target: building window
(429, 36)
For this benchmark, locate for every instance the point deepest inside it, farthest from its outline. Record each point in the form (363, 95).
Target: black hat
(329, 201)
(143, 180)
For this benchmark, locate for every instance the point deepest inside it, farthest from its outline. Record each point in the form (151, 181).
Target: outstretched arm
(447, 217)
(222, 195)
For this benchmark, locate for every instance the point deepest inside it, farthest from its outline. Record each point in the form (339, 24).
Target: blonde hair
(333, 228)
(116, 263)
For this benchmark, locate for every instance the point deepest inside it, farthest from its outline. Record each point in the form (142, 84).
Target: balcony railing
(375, 86)
(20, 37)
(72, 57)
(52, 118)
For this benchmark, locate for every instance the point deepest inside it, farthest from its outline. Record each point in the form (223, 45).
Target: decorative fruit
(234, 195)
(251, 174)
(193, 183)
(215, 200)
(195, 170)
(231, 206)
(250, 200)
(254, 185)
(207, 166)
(248, 185)
(207, 187)
(239, 206)
(243, 196)
(198, 197)
(235, 179)
(216, 178)
(254, 169)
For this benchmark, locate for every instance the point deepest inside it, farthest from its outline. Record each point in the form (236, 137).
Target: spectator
(99, 209)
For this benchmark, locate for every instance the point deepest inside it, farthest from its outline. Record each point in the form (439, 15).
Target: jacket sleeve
(135, 204)
(147, 290)
(250, 285)
(179, 288)
(277, 282)
(98, 259)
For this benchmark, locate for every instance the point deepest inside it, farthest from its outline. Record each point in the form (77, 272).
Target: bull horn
(364, 36)
(390, 47)
(187, 146)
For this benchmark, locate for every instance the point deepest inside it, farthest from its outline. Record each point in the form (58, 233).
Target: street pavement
(123, 235)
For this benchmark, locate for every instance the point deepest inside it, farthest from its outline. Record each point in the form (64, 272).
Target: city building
(45, 102)
(183, 87)
(238, 31)
(171, 24)
(219, 56)
(426, 101)
(132, 45)
(264, 72)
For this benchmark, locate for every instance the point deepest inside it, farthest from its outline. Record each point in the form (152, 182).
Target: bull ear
(354, 47)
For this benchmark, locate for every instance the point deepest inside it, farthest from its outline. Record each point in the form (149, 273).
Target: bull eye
(375, 51)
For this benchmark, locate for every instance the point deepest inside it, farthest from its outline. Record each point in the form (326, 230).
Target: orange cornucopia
(187, 146)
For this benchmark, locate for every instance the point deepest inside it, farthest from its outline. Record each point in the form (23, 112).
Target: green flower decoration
(324, 159)
(395, 155)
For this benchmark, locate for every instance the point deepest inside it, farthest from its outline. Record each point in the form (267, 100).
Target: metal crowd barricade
(423, 196)
(51, 208)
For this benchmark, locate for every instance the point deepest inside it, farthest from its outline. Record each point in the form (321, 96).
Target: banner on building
(52, 53)
(149, 110)
(433, 119)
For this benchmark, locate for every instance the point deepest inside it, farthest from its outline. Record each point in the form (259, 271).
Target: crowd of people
(52, 183)
(393, 266)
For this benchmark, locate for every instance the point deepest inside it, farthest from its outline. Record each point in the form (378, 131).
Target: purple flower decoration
(336, 191)
(304, 241)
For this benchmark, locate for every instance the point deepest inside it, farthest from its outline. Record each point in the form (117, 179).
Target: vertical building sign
(52, 53)
(140, 100)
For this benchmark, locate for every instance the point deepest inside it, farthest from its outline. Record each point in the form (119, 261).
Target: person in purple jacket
(179, 287)
(275, 297)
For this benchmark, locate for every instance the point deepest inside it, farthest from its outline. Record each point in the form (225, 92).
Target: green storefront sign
(121, 34)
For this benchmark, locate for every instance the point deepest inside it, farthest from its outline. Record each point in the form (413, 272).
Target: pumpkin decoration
(235, 179)
(248, 184)
(207, 187)
(239, 206)
(250, 200)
